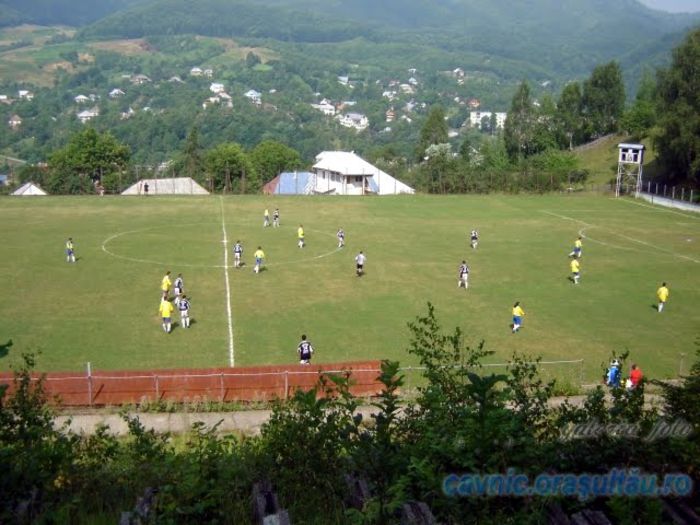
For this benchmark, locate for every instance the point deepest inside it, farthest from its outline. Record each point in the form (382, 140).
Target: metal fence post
(673, 192)
(286, 384)
(683, 193)
(691, 195)
(89, 382)
(223, 393)
(680, 365)
(155, 381)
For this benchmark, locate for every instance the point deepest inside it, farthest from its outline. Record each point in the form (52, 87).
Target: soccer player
(166, 311)
(518, 314)
(575, 271)
(662, 294)
(300, 236)
(165, 284)
(259, 259)
(70, 250)
(578, 245)
(463, 275)
(184, 307)
(237, 254)
(266, 218)
(276, 218)
(474, 237)
(360, 264)
(179, 288)
(305, 351)
(341, 238)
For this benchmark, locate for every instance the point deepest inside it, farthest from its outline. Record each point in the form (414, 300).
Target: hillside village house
(254, 96)
(15, 122)
(88, 114)
(325, 107)
(196, 72)
(476, 118)
(216, 87)
(116, 93)
(140, 80)
(24, 94)
(473, 103)
(357, 121)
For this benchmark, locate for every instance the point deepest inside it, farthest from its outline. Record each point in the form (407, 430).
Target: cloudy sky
(674, 6)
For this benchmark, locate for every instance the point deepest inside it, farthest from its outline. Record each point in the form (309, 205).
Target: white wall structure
(345, 173)
(29, 189)
(167, 186)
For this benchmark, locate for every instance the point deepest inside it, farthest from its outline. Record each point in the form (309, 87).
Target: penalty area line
(231, 360)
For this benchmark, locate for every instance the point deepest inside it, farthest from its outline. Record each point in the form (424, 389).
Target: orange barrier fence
(261, 383)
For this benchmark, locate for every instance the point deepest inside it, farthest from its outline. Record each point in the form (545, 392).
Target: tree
(641, 117)
(251, 59)
(678, 142)
(434, 131)
(569, 113)
(88, 157)
(192, 156)
(604, 99)
(270, 158)
(230, 169)
(520, 124)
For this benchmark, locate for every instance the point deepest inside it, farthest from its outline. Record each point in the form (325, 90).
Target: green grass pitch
(103, 309)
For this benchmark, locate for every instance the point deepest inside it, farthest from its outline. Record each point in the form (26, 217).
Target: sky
(674, 6)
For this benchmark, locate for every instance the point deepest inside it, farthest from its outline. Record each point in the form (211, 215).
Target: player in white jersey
(179, 288)
(463, 275)
(360, 264)
(184, 306)
(341, 238)
(305, 351)
(276, 218)
(474, 237)
(237, 254)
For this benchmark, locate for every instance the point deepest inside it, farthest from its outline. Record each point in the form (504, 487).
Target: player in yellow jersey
(165, 284)
(166, 310)
(575, 271)
(662, 295)
(300, 236)
(259, 259)
(518, 314)
(578, 246)
(70, 250)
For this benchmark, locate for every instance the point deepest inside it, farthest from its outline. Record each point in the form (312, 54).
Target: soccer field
(104, 308)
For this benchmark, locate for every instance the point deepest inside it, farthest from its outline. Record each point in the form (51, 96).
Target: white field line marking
(657, 208)
(160, 263)
(146, 261)
(228, 287)
(632, 239)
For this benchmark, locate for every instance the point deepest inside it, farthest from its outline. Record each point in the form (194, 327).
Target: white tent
(170, 186)
(29, 189)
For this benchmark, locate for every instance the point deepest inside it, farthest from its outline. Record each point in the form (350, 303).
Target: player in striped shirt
(179, 288)
(474, 239)
(463, 275)
(237, 254)
(341, 238)
(184, 306)
(276, 218)
(305, 351)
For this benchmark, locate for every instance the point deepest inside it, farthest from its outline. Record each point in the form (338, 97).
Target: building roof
(349, 164)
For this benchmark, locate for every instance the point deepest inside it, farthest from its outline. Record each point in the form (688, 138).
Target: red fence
(185, 385)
